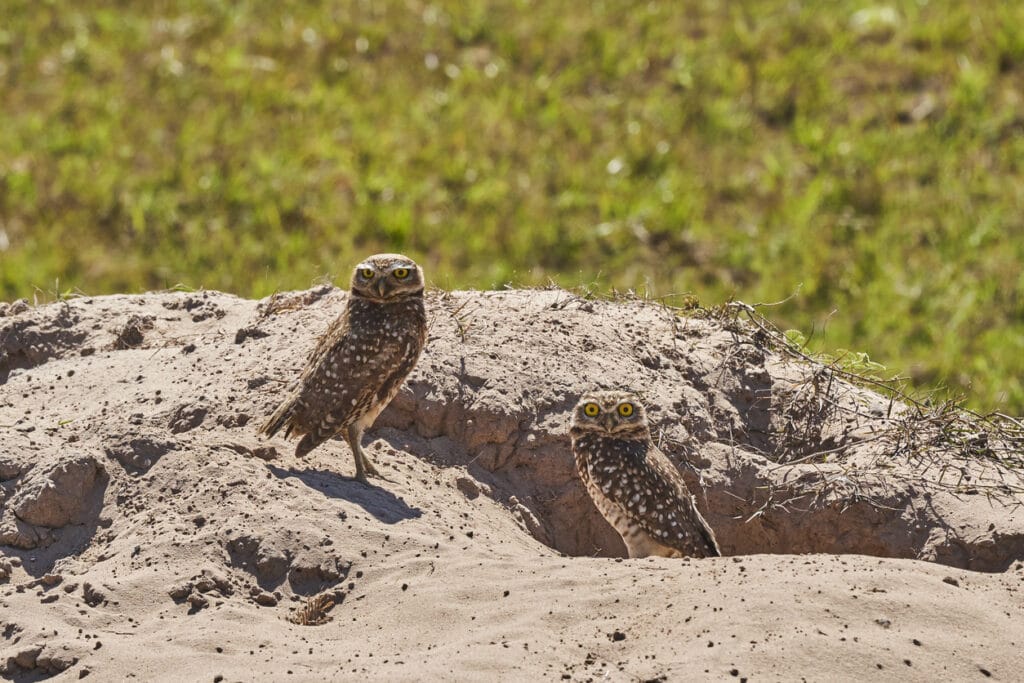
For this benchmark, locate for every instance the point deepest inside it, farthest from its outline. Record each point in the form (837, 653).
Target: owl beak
(380, 287)
(609, 422)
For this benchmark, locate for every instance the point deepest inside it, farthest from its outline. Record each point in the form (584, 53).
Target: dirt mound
(788, 457)
(139, 504)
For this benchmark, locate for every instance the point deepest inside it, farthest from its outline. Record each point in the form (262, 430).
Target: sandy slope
(146, 532)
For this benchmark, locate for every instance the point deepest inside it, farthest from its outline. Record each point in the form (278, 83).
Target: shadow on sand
(381, 503)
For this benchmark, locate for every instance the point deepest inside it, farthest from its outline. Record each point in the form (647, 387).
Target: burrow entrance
(866, 503)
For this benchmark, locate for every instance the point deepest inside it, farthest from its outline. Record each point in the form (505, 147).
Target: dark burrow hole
(817, 510)
(899, 525)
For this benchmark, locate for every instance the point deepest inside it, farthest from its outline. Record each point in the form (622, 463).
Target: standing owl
(360, 362)
(632, 483)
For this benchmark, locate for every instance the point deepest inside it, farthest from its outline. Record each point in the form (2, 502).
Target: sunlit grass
(871, 157)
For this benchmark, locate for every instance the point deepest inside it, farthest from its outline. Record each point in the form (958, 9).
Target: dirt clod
(59, 492)
(131, 334)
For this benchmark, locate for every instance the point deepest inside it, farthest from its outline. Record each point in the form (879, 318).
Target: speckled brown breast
(636, 489)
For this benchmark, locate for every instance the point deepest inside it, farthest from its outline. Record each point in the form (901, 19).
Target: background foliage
(870, 156)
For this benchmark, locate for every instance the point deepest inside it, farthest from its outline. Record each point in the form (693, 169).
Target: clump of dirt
(30, 337)
(137, 453)
(49, 496)
(200, 306)
(131, 333)
(56, 494)
(39, 660)
(14, 308)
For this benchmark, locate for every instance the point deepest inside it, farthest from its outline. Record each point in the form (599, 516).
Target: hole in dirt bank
(822, 512)
(753, 503)
(783, 453)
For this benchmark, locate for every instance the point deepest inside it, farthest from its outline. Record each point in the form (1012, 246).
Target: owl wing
(336, 333)
(654, 495)
(699, 534)
(292, 413)
(346, 375)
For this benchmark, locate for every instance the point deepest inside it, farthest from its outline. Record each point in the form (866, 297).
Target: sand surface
(147, 533)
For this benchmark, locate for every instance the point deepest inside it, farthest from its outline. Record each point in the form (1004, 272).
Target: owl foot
(371, 471)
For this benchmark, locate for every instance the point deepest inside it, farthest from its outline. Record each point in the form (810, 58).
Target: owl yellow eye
(401, 273)
(625, 409)
(366, 273)
(591, 410)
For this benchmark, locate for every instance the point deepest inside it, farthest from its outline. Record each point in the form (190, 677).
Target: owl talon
(363, 479)
(369, 468)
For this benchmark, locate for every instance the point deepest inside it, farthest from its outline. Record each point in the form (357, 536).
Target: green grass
(872, 159)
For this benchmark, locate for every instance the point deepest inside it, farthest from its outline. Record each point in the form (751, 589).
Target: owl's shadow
(385, 506)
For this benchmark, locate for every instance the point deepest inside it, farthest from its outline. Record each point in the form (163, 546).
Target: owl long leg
(369, 467)
(354, 437)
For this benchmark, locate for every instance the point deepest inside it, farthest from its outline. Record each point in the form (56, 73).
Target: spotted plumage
(633, 484)
(360, 362)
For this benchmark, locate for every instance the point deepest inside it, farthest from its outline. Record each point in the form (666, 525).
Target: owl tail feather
(304, 446)
(281, 417)
(706, 531)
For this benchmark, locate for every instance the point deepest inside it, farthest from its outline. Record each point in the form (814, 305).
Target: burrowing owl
(633, 484)
(360, 362)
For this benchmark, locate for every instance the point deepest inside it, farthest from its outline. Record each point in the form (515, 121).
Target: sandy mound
(146, 531)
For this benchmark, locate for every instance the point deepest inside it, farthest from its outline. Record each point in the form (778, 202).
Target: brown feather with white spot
(632, 483)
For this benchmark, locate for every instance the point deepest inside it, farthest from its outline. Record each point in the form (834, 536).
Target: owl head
(386, 278)
(617, 414)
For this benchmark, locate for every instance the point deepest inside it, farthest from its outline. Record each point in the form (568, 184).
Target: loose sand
(147, 533)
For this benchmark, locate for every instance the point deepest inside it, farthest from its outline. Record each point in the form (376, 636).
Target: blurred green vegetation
(869, 156)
